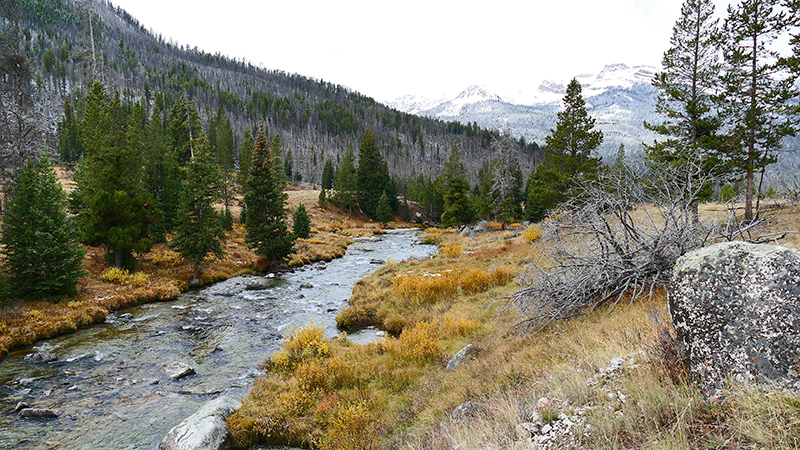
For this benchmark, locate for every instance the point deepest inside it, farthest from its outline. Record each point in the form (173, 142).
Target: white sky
(385, 49)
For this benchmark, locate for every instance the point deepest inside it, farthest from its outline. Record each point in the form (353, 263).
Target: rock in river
(178, 370)
(203, 430)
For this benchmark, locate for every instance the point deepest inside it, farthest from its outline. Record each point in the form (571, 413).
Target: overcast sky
(385, 49)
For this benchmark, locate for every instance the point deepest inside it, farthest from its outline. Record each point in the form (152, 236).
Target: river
(109, 383)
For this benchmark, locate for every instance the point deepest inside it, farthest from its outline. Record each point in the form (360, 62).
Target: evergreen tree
(223, 148)
(301, 223)
(184, 129)
(759, 86)
(567, 157)
(265, 203)
(162, 175)
(687, 87)
(40, 251)
(506, 191)
(328, 175)
(70, 146)
(372, 176)
(383, 212)
(200, 230)
(458, 209)
(116, 210)
(245, 158)
(346, 187)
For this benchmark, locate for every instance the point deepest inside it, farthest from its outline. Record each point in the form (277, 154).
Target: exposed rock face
(736, 309)
(203, 430)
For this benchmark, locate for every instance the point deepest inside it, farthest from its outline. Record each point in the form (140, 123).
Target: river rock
(38, 413)
(203, 430)
(20, 406)
(258, 284)
(178, 370)
(43, 356)
(736, 310)
(459, 357)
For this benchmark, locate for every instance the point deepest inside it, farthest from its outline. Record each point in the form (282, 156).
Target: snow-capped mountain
(619, 97)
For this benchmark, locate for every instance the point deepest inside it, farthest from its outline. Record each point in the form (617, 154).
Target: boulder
(178, 370)
(38, 413)
(736, 311)
(459, 357)
(203, 430)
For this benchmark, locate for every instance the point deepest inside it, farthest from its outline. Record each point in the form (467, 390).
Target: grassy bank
(162, 275)
(397, 392)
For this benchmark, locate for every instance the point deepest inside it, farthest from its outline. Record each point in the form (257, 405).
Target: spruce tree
(301, 223)
(162, 175)
(265, 203)
(458, 209)
(759, 87)
(40, 254)
(69, 136)
(384, 212)
(372, 176)
(200, 229)
(567, 156)
(116, 206)
(328, 175)
(346, 182)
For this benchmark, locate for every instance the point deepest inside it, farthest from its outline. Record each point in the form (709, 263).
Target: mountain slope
(316, 120)
(620, 98)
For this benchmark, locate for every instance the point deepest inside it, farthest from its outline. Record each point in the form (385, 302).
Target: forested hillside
(71, 44)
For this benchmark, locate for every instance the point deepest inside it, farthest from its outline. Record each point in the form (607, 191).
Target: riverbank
(161, 275)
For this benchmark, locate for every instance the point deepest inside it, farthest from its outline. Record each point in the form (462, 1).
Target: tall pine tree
(200, 230)
(458, 209)
(117, 208)
(759, 87)
(567, 157)
(688, 84)
(41, 253)
(372, 176)
(265, 203)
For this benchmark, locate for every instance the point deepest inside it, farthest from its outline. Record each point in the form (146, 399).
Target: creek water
(109, 383)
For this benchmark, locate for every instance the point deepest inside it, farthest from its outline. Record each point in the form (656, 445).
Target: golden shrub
(502, 275)
(451, 327)
(351, 428)
(311, 376)
(115, 275)
(420, 343)
(474, 281)
(139, 278)
(425, 289)
(494, 225)
(451, 250)
(302, 344)
(532, 234)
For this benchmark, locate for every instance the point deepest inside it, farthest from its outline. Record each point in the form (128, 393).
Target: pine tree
(301, 223)
(372, 176)
(41, 254)
(265, 203)
(759, 86)
(184, 129)
(162, 175)
(116, 210)
(687, 87)
(458, 209)
(200, 229)
(70, 146)
(384, 212)
(346, 187)
(567, 157)
(328, 175)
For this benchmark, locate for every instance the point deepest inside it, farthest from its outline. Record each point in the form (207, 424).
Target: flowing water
(109, 383)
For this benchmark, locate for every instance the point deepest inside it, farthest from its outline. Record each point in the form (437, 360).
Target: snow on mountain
(414, 104)
(620, 97)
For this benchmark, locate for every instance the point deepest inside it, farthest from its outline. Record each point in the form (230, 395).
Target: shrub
(451, 327)
(302, 344)
(474, 281)
(115, 275)
(532, 234)
(425, 289)
(351, 428)
(420, 343)
(451, 250)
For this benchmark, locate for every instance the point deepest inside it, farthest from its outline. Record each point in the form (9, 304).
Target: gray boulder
(459, 357)
(38, 413)
(177, 370)
(736, 311)
(203, 430)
